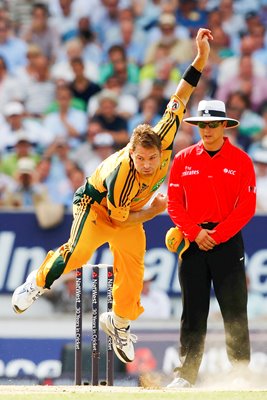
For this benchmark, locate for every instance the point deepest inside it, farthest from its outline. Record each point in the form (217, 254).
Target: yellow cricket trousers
(90, 229)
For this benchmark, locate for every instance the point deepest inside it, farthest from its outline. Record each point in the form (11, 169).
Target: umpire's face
(146, 160)
(212, 134)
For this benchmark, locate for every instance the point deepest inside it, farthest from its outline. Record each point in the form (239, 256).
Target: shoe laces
(123, 336)
(30, 288)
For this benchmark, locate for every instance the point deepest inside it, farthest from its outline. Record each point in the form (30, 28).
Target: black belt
(208, 225)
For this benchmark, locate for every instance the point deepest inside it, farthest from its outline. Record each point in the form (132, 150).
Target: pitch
(123, 393)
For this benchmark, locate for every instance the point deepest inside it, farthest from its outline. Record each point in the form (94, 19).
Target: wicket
(95, 343)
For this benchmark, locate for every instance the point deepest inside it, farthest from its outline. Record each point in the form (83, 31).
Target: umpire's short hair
(144, 136)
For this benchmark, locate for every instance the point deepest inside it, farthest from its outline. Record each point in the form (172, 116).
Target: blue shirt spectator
(11, 48)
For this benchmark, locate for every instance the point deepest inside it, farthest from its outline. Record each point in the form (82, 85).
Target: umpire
(211, 197)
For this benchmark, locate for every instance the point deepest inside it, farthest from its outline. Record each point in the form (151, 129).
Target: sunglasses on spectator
(212, 124)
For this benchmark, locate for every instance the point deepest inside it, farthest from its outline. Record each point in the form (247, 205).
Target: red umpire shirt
(218, 189)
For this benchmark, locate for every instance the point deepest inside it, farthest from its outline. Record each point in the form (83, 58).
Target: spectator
(233, 23)
(9, 87)
(35, 104)
(146, 13)
(259, 36)
(252, 20)
(16, 120)
(118, 65)
(41, 33)
(127, 103)
(108, 117)
(161, 68)
(7, 185)
(180, 50)
(22, 149)
(81, 87)
(92, 49)
(156, 32)
(191, 16)
(220, 47)
(75, 102)
(78, 7)
(246, 81)
(155, 301)
(26, 192)
(251, 124)
(213, 18)
(261, 143)
(76, 177)
(61, 68)
(158, 92)
(25, 73)
(127, 35)
(182, 141)
(103, 146)
(66, 122)
(62, 165)
(12, 49)
(108, 18)
(148, 114)
(57, 184)
(230, 66)
(85, 151)
(65, 21)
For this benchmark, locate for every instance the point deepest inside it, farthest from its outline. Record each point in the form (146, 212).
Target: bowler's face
(146, 160)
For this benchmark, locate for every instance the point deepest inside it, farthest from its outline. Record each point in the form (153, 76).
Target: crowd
(76, 77)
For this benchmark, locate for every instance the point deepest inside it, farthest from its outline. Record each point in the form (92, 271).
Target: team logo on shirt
(229, 171)
(164, 163)
(143, 187)
(174, 104)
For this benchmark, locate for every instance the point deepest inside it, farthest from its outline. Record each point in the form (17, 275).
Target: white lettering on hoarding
(257, 271)
(18, 262)
(24, 260)
(25, 367)
(6, 246)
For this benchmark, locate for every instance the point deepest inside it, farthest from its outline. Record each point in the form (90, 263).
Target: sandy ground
(11, 389)
(7, 389)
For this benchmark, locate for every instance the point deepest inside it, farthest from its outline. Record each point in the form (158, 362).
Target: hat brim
(231, 123)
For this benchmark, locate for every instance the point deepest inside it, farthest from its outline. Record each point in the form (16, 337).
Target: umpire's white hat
(211, 110)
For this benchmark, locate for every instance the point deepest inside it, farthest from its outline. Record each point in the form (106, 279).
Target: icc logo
(229, 171)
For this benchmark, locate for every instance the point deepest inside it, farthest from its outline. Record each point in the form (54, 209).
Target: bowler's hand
(202, 41)
(159, 203)
(204, 240)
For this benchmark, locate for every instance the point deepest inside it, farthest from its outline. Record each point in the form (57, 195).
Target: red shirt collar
(223, 150)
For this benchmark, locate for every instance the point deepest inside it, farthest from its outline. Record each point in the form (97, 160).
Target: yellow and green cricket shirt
(117, 186)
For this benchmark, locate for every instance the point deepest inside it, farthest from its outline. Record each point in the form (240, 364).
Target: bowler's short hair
(144, 136)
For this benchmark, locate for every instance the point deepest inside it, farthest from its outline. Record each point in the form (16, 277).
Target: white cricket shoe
(179, 383)
(26, 294)
(122, 339)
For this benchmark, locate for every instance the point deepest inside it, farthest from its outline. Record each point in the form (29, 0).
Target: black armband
(191, 76)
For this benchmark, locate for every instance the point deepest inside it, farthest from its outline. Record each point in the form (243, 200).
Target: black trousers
(224, 267)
